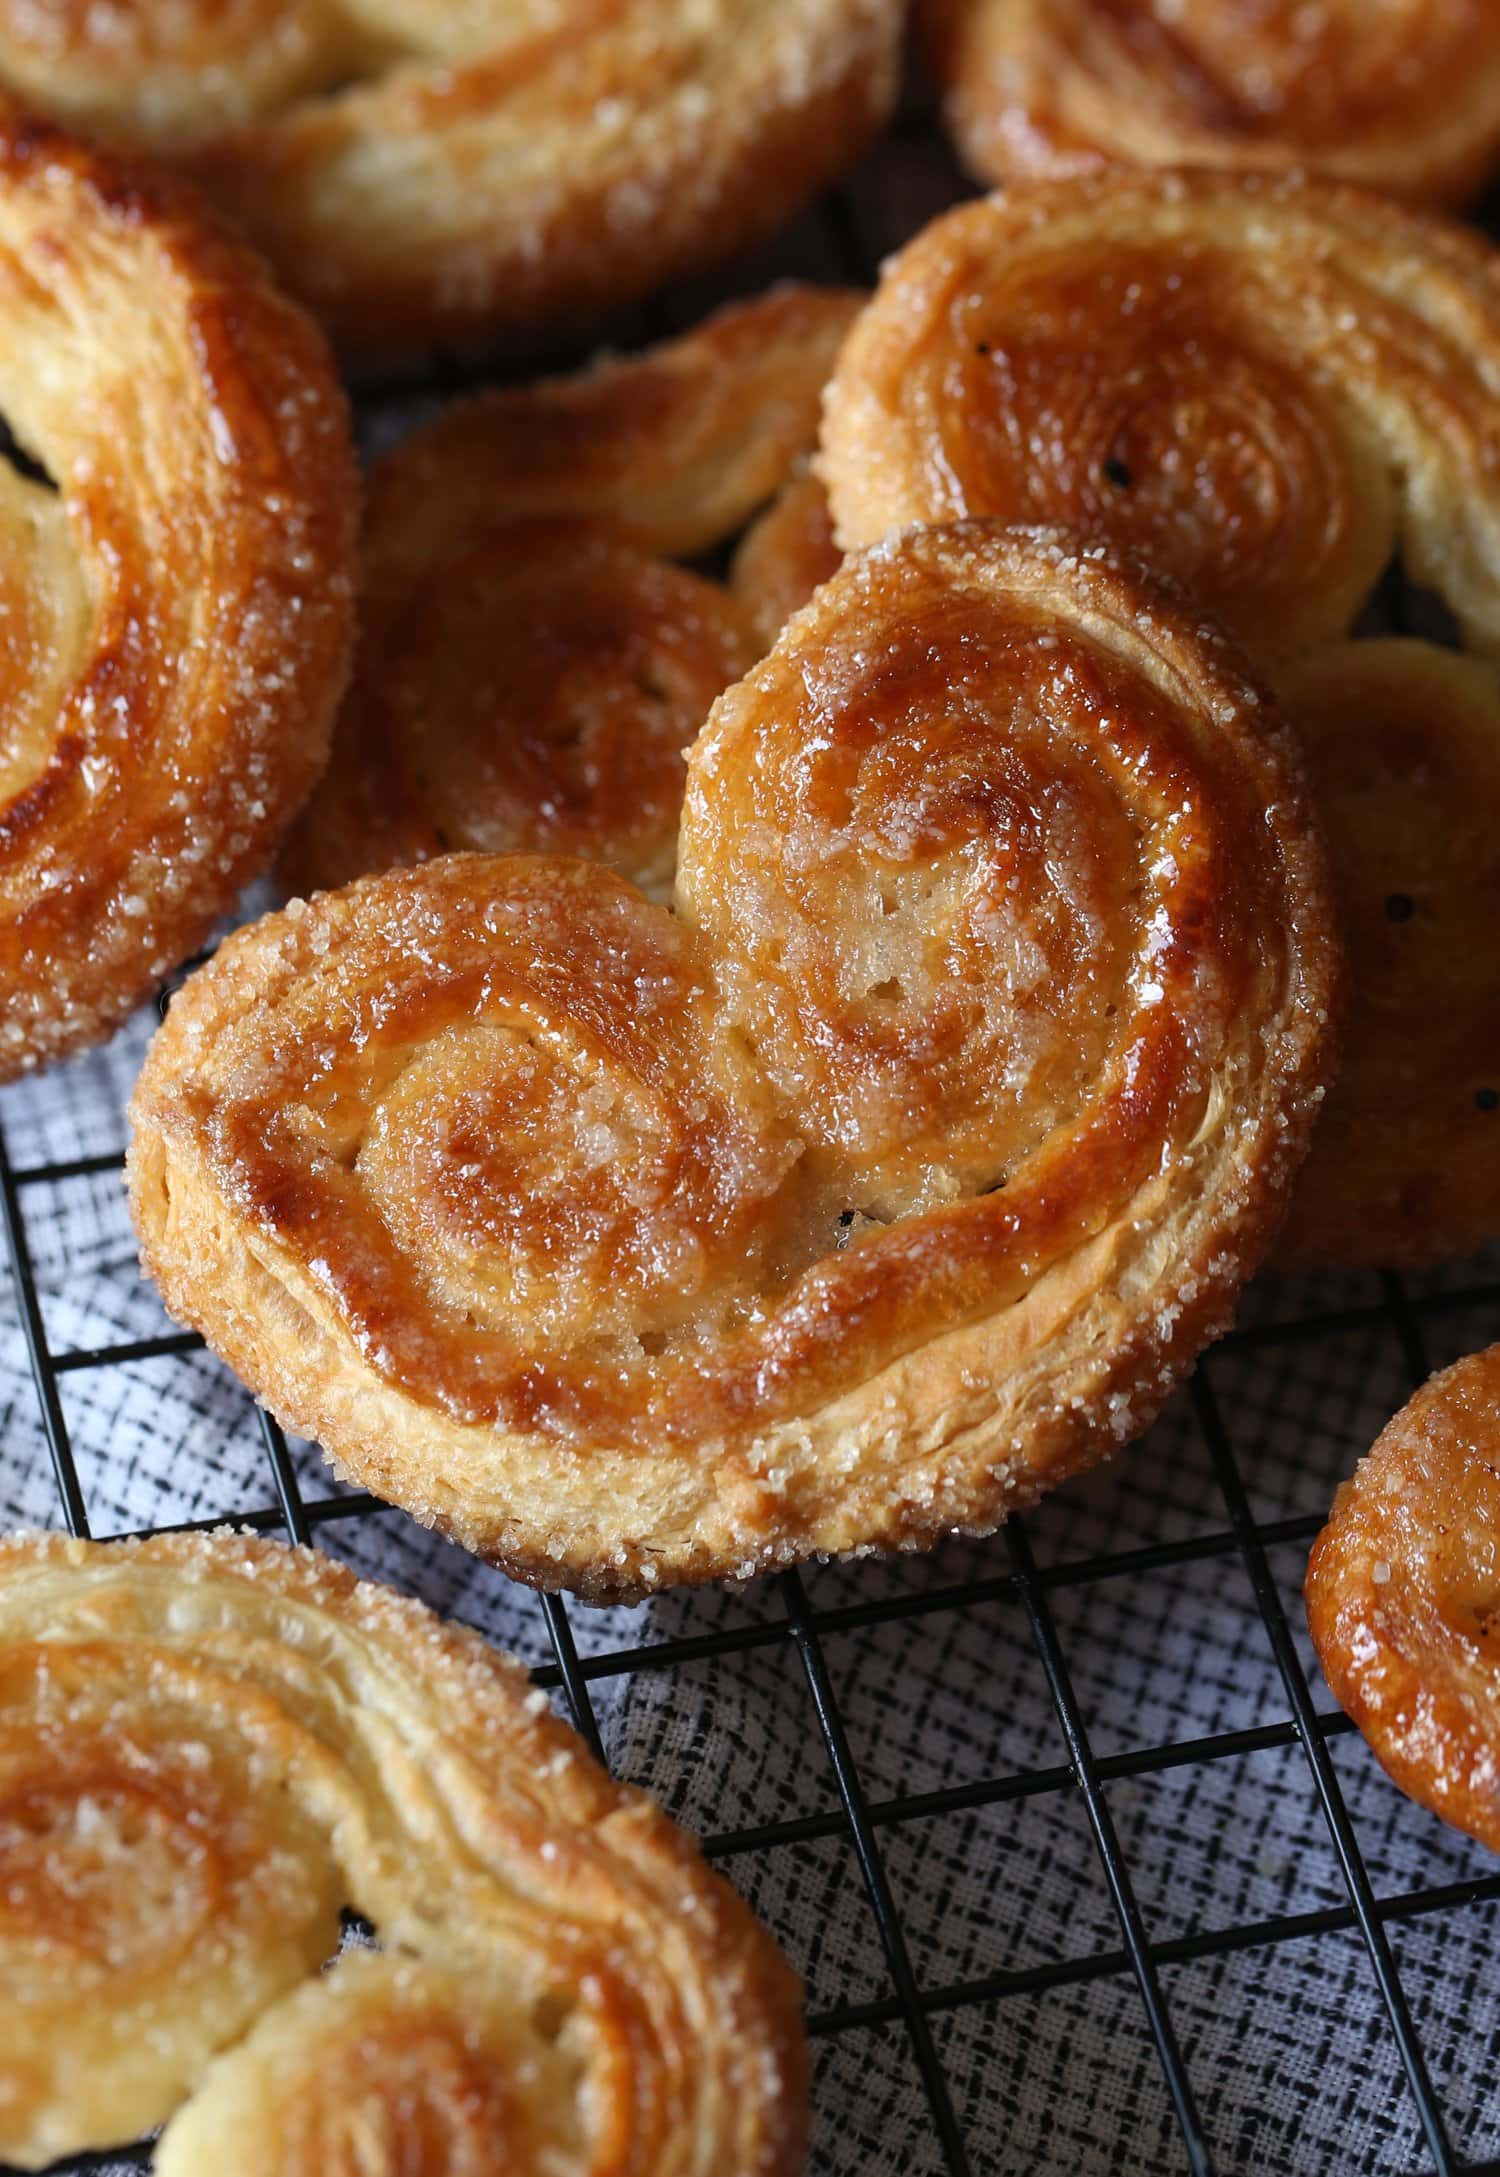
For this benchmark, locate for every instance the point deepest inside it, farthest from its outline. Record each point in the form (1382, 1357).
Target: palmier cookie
(434, 169)
(208, 1746)
(895, 1177)
(1404, 97)
(1403, 748)
(1270, 390)
(531, 670)
(175, 597)
(1403, 1596)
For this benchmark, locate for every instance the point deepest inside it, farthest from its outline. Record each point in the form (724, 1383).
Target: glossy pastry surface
(1403, 96)
(531, 670)
(784, 557)
(175, 586)
(1403, 1596)
(1287, 396)
(445, 169)
(893, 1178)
(208, 1745)
(1263, 387)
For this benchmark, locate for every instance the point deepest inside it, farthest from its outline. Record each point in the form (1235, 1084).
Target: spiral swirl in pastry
(1269, 390)
(1403, 1596)
(895, 1177)
(445, 168)
(175, 614)
(530, 674)
(1263, 387)
(1404, 96)
(210, 1744)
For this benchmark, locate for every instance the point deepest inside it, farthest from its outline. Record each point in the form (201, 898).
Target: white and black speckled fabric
(1039, 2031)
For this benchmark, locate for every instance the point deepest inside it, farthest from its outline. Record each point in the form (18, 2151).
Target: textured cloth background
(1289, 2049)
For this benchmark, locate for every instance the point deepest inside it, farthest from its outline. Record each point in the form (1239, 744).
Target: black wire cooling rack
(1141, 1889)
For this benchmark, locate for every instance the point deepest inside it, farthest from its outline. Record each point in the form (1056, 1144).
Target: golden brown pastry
(1403, 1596)
(175, 614)
(896, 1176)
(1263, 387)
(535, 690)
(677, 446)
(1403, 96)
(208, 1744)
(784, 558)
(529, 674)
(444, 168)
(1403, 747)
(1270, 390)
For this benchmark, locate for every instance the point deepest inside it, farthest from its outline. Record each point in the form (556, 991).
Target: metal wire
(860, 1818)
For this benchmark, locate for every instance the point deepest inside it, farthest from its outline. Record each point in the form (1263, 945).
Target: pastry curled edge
(1403, 98)
(175, 616)
(208, 1746)
(530, 669)
(1272, 390)
(896, 1176)
(419, 170)
(1403, 1596)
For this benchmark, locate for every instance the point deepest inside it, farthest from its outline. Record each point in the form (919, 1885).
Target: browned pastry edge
(458, 1812)
(227, 588)
(1038, 88)
(754, 1463)
(1403, 1596)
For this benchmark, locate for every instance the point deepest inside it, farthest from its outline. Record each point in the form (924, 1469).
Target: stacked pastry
(653, 1166)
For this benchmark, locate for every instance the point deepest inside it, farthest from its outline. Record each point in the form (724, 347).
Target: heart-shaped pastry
(897, 1175)
(208, 1746)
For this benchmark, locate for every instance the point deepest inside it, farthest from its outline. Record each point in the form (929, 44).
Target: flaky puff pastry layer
(175, 615)
(1270, 390)
(894, 1177)
(1403, 1596)
(784, 557)
(531, 668)
(451, 168)
(1402, 97)
(208, 1745)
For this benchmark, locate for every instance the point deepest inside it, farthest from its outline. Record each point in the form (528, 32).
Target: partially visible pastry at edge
(175, 597)
(895, 1177)
(452, 168)
(530, 670)
(784, 557)
(1403, 1596)
(208, 1746)
(1279, 392)
(1403, 751)
(1402, 97)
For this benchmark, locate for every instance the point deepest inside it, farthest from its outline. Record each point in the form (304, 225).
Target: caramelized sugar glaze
(893, 1178)
(208, 1745)
(1403, 1596)
(1271, 391)
(1402, 95)
(447, 168)
(175, 597)
(531, 667)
